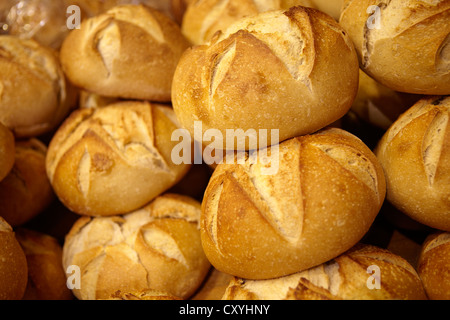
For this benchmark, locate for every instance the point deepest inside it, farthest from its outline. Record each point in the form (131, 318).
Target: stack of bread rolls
(314, 138)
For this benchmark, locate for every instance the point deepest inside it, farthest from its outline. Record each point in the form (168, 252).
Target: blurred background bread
(130, 51)
(34, 97)
(7, 151)
(26, 191)
(276, 70)
(46, 277)
(351, 276)
(157, 247)
(434, 265)
(403, 44)
(115, 159)
(13, 264)
(415, 155)
(321, 200)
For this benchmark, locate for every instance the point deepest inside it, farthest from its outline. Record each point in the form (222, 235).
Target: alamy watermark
(374, 20)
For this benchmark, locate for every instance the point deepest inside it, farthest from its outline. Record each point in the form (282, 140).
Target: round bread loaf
(434, 266)
(7, 151)
(13, 265)
(26, 191)
(295, 71)
(214, 286)
(157, 247)
(364, 272)
(293, 208)
(46, 277)
(403, 44)
(114, 159)
(415, 155)
(33, 91)
(130, 51)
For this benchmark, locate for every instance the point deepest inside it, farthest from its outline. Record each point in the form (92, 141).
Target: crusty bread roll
(13, 265)
(33, 91)
(403, 44)
(114, 159)
(379, 105)
(7, 151)
(157, 247)
(46, 277)
(130, 52)
(434, 266)
(415, 155)
(323, 197)
(277, 70)
(351, 276)
(26, 191)
(146, 294)
(92, 100)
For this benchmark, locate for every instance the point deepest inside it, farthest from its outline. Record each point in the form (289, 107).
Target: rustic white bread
(130, 51)
(13, 265)
(404, 44)
(331, 7)
(33, 90)
(379, 105)
(322, 197)
(114, 159)
(7, 151)
(157, 247)
(92, 100)
(146, 294)
(347, 277)
(415, 155)
(277, 70)
(26, 191)
(434, 266)
(46, 276)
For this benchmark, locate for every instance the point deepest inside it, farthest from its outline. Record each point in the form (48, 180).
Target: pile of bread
(349, 200)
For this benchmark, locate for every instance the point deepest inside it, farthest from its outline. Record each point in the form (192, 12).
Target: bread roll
(415, 155)
(46, 276)
(7, 151)
(26, 191)
(404, 45)
(321, 198)
(13, 265)
(434, 266)
(157, 247)
(33, 91)
(92, 100)
(115, 159)
(277, 70)
(351, 276)
(130, 52)
(146, 294)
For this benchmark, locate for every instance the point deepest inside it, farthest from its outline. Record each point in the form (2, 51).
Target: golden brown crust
(13, 265)
(130, 51)
(409, 51)
(115, 159)
(434, 265)
(147, 294)
(156, 247)
(347, 277)
(260, 226)
(26, 191)
(415, 155)
(33, 90)
(46, 277)
(228, 88)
